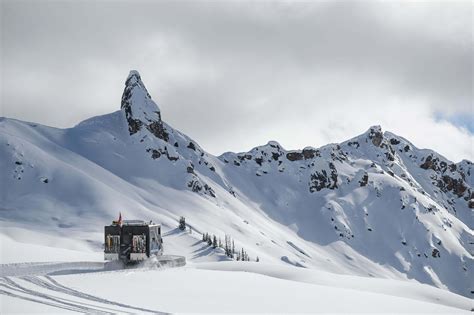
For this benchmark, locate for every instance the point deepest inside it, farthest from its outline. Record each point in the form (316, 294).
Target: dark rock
(308, 153)
(320, 180)
(155, 154)
(158, 129)
(435, 253)
(457, 186)
(376, 136)
(470, 204)
(209, 190)
(294, 156)
(191, 146)
(389, 156)
(430, 163)
(172, 158)
(394, 141)
(196, 186)
(354, 144)
(365, 179)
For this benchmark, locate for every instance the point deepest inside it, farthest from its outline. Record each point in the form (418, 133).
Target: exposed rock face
(197, 186)
(376, 135)
(365, 179)
(294, 156)
(323, 179)
(140, 110)
(430, 163)
(457, 186)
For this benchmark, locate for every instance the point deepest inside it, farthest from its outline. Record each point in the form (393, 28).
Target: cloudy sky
(234, 75)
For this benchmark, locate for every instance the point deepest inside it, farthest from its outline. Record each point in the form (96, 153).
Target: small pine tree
(233, 247)
(226, 244)
(214, 241)
(182, 223)
(220, 243)
(209, 240)
(257, 260)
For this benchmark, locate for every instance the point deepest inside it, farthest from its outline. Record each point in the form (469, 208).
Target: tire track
(7, 293)
(53, 285)
(63, 303)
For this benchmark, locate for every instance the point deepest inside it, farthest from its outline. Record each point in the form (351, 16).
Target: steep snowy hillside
(374, 205)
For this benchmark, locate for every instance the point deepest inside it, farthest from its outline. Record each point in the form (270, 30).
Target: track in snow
(33, 282)
(47, 291)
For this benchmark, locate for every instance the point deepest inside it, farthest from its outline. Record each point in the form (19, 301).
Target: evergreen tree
(214, 241)
(182, 223)
(257, 260)
(233, 248)
(220, 243)
(226, 245)
(203, 237)
(209, 240)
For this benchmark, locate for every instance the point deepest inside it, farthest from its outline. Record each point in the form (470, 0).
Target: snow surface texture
(208, 284)
(372, 206)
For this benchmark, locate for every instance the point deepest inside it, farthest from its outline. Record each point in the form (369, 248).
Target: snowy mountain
(374, 205)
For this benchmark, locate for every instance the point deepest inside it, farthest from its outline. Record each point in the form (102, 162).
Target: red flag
(120, 219)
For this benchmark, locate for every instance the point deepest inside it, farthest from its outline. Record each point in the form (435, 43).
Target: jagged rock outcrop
(324, 179)
(140, 110)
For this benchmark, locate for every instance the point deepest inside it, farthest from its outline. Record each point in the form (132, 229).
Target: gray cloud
(237, 74)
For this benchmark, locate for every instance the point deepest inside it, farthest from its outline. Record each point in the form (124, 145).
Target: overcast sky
(234, 75)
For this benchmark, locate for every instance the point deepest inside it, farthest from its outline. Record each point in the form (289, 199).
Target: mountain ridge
(374, 204)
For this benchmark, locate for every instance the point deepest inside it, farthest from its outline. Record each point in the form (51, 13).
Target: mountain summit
(139, 108)
(374, 205)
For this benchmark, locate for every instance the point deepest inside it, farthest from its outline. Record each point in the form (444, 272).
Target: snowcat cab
(132, 240)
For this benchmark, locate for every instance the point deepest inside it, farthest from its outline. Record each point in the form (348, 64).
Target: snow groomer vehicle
(132, 241)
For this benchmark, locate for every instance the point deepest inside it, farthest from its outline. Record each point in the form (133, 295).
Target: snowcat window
(112, 244)
(139, 243)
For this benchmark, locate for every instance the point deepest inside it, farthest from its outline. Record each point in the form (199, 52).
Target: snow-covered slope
(374, 205)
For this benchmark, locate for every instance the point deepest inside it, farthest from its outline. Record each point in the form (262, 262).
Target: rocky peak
(139, 108)
(376, 135)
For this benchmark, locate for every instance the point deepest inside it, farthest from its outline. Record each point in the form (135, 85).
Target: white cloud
(235, 75)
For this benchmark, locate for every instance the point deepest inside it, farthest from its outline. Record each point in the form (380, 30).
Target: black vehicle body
(132, 241)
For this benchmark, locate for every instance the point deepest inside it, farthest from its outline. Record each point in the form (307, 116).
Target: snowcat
(132, 241)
